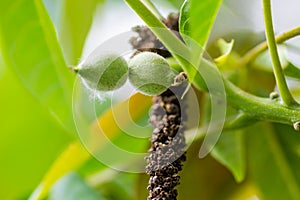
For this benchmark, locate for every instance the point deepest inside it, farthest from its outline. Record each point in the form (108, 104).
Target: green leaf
(292, 71)
(184, 20)
(264, 62)
(29, 45)
(176, 3)
(30, 138)
(289, 140)
(73, 187)
(71, 159)
(196, 21)
(75, 23)
(118, 186)
(272, 166)
(1, 66)
(197, 18)
(230, 151)
(76, 155)
(225, 49)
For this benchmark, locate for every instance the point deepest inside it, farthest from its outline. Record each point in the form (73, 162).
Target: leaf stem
(153, 9)
(258, 49)
(286, 96)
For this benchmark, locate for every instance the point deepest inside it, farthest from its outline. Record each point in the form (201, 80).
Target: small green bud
(150, 73)
(104, 72)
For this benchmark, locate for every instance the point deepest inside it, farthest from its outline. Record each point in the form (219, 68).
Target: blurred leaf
(184, 20)
(118, 139)
(76, 155)
(72, 20)
(264, 62)
(290, 140)
(197, 19)
(225, 49)
(262, 85)
(73, 187)
(75, 23)
(92, 166)
(274, 170)
(174, 64)
(244, 40)
(1, 66)
(29, 45)
(30, 139)
(120, 186)
(230, 151)
(54, 8)
(72, 158)
(292, 71)
(176, 3)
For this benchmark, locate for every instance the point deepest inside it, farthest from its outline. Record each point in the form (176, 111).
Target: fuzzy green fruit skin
(150, 73)
(105, 72)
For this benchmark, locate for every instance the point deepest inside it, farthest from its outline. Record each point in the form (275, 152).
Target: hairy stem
(286, 96)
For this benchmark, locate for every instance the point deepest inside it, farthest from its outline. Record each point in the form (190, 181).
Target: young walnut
(103, 72)
(150, 73)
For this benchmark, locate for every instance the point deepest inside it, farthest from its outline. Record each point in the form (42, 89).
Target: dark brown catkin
(167, 151)
(167, 144)
(147, 41)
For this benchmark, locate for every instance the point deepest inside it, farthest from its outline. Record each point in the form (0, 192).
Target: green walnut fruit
(150, 73)
(103, 72)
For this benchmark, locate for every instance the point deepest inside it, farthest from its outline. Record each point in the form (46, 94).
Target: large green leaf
(274, 161)
(184, 20)
(292, 71)
(73, 187)
(76, 155)
(116, 185)
(75, 21)
(29, 46)
(1, 66)
(175, 3)
(29, 139)
(230, 151)
(65, 163)
(195, 25)
(197, 19)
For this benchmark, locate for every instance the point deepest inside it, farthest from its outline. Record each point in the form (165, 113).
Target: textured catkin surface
(167, 144)
(147, 41)
(167, 152)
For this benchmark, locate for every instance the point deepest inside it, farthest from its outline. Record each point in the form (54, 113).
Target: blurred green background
(40, 39)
